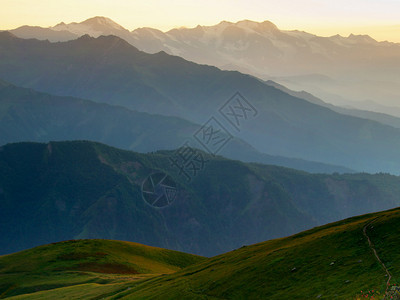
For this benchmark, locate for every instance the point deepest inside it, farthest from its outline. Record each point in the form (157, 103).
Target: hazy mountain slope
(383, 118)
(67, 190)
(40, 33)
(328, 262)
(364, 91)
(375, 106)
(93, 266)
(108, 69)
(26, 115)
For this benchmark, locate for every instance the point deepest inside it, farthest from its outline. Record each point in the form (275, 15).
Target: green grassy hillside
(329, 262)
(334, 261)
(103, 265)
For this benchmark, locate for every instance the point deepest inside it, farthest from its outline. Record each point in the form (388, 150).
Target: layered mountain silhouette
(353, 68)
(69, 190)
(110, 70)
(26, 115)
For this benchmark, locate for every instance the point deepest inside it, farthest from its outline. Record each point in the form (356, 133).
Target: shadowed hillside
(72, 190)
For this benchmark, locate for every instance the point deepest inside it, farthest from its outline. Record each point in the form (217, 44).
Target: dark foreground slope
(334, 261)
(108, 69)
(69, 190)
(85, 268)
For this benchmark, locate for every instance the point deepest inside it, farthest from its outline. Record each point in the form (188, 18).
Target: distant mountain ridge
(361, 67)
(108, 69)
(194, 44)
(263, 48)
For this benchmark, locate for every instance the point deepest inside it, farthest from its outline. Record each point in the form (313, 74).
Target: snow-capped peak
(102, 21)
(95, 27)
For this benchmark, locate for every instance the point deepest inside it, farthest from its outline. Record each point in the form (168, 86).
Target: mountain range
(198, 163)
(73, 190)
(337, 69)
(110, 70)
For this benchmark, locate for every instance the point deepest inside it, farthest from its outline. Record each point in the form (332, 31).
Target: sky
(378, 18)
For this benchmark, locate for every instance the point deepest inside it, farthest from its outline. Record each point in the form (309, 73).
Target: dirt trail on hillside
(371, 245)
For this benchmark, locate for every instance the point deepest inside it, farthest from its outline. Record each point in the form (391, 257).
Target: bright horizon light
(377, 18)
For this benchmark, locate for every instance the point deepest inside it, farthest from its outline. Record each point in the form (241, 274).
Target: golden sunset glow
(376, 18)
